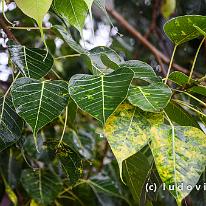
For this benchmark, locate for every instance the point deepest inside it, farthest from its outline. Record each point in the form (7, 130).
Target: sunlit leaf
(128, 130)
(42, 186)
(151, 98)
(180, 156)
(75, 12)
(100, 95)
(38, 103)
(10, 124)
(184, 28)
(142, 70)
(30, 61)
(168, 7)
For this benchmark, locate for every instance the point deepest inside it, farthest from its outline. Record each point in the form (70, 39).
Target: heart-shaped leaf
(100, 95)
(42, 186)
(38, 103)
(10, 124)
(75, 12)
(179, 78)
(151, 98)
(141, 70)
(180, 157)
(185, 28)
(30, 61)
(35, 9)
(127, 130)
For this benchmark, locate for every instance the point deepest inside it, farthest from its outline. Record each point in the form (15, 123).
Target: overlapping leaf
(185, 28)
(141, 70)
(128, 130)
(33, 63)
(179, 78)
(42, 186)
(38, 103)
(10, 124)
(180, 156)
(100, 95)
(136, 176)
(151, 98)
(73, 11)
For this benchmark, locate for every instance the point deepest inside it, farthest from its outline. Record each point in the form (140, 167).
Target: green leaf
(75, 12)
(151, 98)
(35, 9)
(103, 60)
(179, 78)
(184, 28)
(168, 7)
(135, 175)
(142, 70)
(10, 124)
(42, 186)
(198, 90)
(71, 163)
(127, 130)
(30, 61)
(100, 95)
(69, 39)
(38, 103)
(180, 116)
(89, 3)
(180, 156)
(104, 185)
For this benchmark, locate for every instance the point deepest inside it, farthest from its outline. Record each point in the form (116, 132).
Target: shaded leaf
(71, 163)
(100, 95)
(180, 116)
(198, 90)
(135, 175)
(128, 129)
(38, 103)
(151, 98)
(75, 12)
(184, 28)
(30, 61)
(10, 124)
(42, 186)
(180, 156)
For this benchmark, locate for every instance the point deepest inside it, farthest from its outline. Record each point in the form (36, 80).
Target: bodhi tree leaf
(180, 157)
(10, 124)
(168, 7)
(35, 9)
(30, 61)
(141, 70)
(131, 171)
(179, 115)
(71, 163)
(42, 186)
(38, 103)
(151, 98)
(184, 28)
(127, 130)
(100, 95)
(199, 90)
(179, 78)
(75, 12)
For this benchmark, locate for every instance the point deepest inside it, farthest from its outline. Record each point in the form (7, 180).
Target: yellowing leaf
(168, 7)
(128, 129)
(180, 157)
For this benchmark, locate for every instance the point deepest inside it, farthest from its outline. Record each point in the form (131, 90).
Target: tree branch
(136, 34)
(4, 26)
